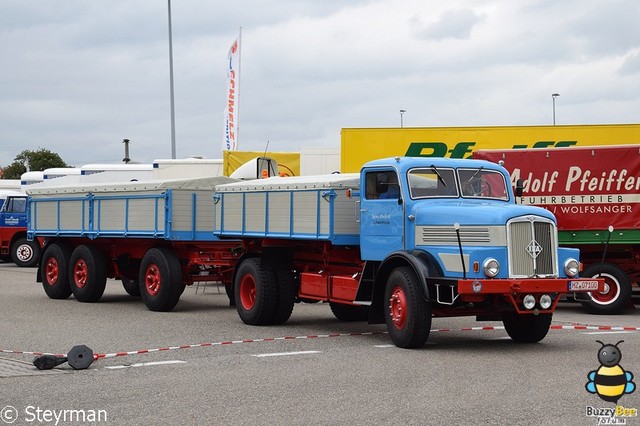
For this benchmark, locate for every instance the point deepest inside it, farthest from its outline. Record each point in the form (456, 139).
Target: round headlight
(545, 301)
(571, 267)
(491, 267)
(529, 301)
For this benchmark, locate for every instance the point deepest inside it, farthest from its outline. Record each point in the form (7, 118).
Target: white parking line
(287, 354)
(609, 332)
(145, 364)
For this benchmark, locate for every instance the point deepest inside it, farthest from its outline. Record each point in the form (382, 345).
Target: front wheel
(25, 253)
(160, 279)
(407, 313)
(53, 271)
(526, 328)
(617, 289)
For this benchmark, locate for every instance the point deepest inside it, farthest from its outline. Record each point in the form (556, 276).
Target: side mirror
(519, 187)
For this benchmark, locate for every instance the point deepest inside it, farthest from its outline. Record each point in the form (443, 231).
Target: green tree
(38, 160)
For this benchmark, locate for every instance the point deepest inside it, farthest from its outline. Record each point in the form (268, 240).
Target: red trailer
(594, 192)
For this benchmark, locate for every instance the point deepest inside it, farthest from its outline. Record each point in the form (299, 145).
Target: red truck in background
(594, 192)
(14, 245)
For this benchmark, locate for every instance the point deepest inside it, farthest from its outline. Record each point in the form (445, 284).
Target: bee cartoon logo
(610, 381)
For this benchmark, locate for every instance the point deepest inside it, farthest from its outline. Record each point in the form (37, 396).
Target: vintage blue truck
(403, 241)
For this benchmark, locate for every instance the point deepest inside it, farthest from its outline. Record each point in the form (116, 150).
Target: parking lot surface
(199, 364)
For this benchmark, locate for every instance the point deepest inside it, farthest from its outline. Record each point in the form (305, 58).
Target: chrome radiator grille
(532, 247)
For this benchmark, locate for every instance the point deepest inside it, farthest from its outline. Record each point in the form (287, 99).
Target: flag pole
(238, 89)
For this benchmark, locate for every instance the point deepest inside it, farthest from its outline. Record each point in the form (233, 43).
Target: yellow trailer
(359, 145)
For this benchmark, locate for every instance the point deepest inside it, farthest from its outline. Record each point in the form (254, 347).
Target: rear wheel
(131, 286)
(87, 273)
(407, 313)
(160, 279)
(617, 289)
(25, 253)
(349, 313)
(526, 328)
(53, 271)
(256, 293)
(287, 292)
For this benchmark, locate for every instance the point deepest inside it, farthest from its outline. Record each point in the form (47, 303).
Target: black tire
(287, 292)
(228, 288)
(131, 286)
(54, 269)
(410, 325)
(617, 292)
(25, 253)
(526, 328)
(160, 279)
(87, 274)
(256, 293)
(349, 313)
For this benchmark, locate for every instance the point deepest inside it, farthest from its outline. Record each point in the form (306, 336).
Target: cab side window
(382, 185)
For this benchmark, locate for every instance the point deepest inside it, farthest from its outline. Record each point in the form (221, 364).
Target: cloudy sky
(78, 76)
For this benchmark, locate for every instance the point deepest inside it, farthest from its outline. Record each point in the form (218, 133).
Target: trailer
(593, 192)
(401, 242)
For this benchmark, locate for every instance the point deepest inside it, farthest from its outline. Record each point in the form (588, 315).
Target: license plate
(583, 285)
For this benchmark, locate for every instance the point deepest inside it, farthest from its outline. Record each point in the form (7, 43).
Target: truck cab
(449, 231)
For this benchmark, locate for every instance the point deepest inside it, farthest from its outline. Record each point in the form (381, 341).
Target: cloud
(78, 77)
(453, 24)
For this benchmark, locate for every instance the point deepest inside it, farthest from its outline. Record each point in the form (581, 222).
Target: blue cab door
(381, 214)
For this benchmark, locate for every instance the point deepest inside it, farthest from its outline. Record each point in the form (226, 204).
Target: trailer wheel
(160, 279)
(349, 313)
(132, 287)
(617, 289)
(53, 270)
(87, 274)
(25, 253)
(526, 328)
(287, 292)
(256, 293)
(407, 314)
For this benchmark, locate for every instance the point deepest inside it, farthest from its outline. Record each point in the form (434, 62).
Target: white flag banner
(231, 108)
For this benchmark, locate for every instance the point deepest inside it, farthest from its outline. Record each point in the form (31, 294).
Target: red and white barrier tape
(318, 336)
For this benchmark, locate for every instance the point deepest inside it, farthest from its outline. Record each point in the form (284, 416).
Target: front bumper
(530, 285)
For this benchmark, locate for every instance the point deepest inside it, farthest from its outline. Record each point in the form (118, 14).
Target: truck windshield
(482, 183)
(432, 182)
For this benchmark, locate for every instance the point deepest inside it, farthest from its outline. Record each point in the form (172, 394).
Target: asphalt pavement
(199, 364)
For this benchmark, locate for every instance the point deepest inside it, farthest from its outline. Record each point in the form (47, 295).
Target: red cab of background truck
(594, 192)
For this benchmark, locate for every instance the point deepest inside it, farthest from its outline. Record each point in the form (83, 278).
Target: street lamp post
(402, 111)
(553, 100)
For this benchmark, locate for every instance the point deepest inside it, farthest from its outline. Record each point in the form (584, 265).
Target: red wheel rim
(398, 308)
(610, 293)
(80, 271)
(52, 271)
(248, 292)
(152, 281)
